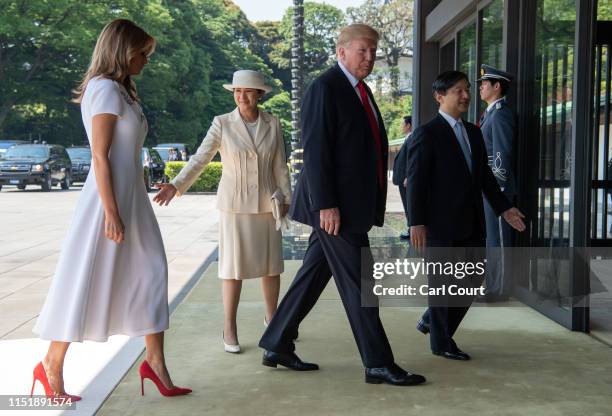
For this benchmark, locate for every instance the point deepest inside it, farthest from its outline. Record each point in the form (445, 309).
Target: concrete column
(426, 63)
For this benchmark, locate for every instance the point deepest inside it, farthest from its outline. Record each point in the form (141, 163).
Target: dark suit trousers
(339, 256)
(402, 191)
(443, 320)
(499, 237)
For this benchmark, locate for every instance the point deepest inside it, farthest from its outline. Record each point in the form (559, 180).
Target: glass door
(546, 284)
(601, 186)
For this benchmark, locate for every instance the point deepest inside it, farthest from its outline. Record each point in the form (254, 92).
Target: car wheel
(47, 184)
(21, 187)
(0, 187)
(66, 182)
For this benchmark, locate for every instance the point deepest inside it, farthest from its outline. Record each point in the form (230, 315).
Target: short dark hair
(408, 120)
(503, 84)
(447, 79)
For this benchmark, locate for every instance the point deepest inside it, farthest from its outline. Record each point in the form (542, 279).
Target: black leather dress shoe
(392, 374)
(288, 359)
(422, 327)
(405, 235)
(453, 355)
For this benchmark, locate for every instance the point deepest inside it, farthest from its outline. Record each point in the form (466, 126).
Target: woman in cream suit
(255, 174)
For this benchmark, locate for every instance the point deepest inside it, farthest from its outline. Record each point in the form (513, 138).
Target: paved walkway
(33, 226)
(523, 364)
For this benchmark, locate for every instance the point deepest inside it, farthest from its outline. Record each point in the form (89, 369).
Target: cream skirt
(249, 246)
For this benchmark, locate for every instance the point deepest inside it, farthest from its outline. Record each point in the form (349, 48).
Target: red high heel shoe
(41, 375)
(147, 372)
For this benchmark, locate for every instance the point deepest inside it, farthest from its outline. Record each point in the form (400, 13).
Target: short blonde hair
(356, 31)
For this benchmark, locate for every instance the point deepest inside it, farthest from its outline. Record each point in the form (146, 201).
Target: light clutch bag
(277, 208)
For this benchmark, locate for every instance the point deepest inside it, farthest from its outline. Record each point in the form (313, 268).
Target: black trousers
(402, 192)
(499, 260)
(340, 256)
(445, 313)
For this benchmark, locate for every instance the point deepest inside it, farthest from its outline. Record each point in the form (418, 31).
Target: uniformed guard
(498, 125)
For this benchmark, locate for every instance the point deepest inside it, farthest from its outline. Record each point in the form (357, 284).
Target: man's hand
(330, 220)
(418, 236)
(405, 182)
(514, 217)
(165, 194)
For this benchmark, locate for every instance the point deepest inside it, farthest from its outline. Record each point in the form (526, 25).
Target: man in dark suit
(341, 193)
(448, 173)
(498, 125)
(399, 171)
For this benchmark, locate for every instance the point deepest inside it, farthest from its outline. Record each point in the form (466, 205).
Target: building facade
(559, 52)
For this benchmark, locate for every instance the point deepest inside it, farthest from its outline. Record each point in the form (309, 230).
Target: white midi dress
(101, 288)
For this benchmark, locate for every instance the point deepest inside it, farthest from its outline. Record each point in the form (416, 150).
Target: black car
(80, 157)
(153, 166)
(5, 144)
(35, 164)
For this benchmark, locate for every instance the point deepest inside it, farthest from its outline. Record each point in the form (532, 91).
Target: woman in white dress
(112, 275)
(254, 184)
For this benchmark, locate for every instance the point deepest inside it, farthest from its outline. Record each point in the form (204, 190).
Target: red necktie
(375, 130)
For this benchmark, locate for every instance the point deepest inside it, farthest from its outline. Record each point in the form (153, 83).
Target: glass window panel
(467, 63)
(555, 25)
(554, 72)
(608, 202)
(604, 10)
(492, 34)
(492, 39)
(602, 143)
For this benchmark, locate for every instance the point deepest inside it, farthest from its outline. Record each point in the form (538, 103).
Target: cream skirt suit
(253, 170)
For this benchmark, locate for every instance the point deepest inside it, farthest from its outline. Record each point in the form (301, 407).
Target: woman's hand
(113, 227)
(165, 194)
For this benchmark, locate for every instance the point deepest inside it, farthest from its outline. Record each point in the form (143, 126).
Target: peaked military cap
(488, 72)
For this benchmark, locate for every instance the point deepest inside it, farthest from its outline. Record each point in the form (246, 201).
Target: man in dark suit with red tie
(341, 193)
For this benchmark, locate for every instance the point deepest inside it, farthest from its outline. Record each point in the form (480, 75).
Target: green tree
(280, 106)
(393, 21)
(322, 23)
(265, 41)
(393, 112)
(45, 48)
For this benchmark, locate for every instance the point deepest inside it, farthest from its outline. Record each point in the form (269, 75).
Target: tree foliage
(322, 23)
(45, 48)
(393, 21)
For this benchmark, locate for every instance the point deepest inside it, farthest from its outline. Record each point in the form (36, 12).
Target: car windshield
(179, 146)
(79, 153)
(27, 151)
(6, 145)
(163, 152)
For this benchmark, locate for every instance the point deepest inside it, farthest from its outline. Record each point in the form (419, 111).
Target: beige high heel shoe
(231, 348)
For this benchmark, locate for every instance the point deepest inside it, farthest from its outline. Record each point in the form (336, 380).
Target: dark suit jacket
(340, 157)
(443, 195)
(399, 164)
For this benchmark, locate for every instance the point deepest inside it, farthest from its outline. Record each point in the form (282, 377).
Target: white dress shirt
(354, 81)
(452, 123)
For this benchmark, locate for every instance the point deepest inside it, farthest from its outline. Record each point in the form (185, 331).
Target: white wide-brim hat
(248, 79)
